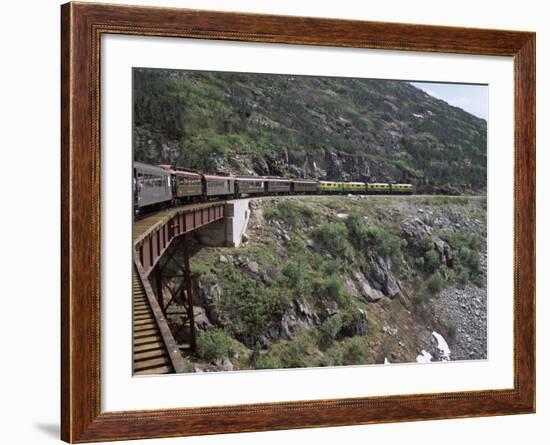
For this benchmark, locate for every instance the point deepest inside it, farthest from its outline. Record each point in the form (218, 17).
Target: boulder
(202, 321)
(391, 287)
(350, 287)
(288, 322)
(224, 364)
(377, 275)
(253, 267)
(370, 294)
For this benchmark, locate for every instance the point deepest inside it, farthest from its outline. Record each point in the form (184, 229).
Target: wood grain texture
(82, 27)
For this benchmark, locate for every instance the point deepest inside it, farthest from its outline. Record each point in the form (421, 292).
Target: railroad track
(155, 350)
(150, 355)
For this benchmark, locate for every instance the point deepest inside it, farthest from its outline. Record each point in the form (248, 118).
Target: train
(158, 186)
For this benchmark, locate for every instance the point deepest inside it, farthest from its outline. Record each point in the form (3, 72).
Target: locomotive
(163, 186)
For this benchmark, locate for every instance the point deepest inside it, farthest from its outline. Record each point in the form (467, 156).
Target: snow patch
(444, 350)
(425, 357)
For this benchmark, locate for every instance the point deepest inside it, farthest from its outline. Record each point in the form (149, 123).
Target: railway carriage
(304, 186)
(378, 187)
(401, 188)
(277, 185)
(249, 186)
(215, 185)
(188, 185)
(152, 186)
(354, 187)
(330, 187)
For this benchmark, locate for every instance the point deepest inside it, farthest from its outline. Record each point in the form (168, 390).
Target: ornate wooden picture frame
(82, 28)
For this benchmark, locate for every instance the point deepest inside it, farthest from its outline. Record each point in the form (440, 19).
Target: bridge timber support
(163, 277)
(157, 283)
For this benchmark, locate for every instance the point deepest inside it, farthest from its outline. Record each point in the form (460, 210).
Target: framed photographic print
(274, 222)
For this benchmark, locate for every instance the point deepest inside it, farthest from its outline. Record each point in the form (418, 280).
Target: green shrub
(333, 236)
(293, 354)
(267, 361)
(291, 212)
(385, 243)
(329, 330)
(354, 322)
(198, 270)
(295, 246)
(465, 249)
(378, 238)
(334, 287)
(331, 288)
(354, 351)
(458, 240)
(428, 220)
(432, 260)
(350, 351)
(213, 344)
(470, 258)
(425, 243)
(250, 307)
(294, 272)
(435, 283)
(357, 229)
(463, 277)
(335, 266)
(333, 356)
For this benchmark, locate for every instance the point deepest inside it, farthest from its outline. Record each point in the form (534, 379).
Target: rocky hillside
(326, 281)
(327, 128)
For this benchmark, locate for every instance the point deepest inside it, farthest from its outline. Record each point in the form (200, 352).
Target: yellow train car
(330, 187)
(378, 187)
(402, 188)
(354, 187)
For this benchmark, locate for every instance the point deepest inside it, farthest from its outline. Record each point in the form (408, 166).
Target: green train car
(364, 188)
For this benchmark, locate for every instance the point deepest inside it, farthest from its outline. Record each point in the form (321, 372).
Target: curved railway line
(156, 186)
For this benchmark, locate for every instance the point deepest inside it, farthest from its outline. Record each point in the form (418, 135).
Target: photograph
(290, 221)
(283, 219)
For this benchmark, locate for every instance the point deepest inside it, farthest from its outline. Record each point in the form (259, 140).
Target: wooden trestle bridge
(155, 350)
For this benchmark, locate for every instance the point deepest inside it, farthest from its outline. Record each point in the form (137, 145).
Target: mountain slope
(328, 128)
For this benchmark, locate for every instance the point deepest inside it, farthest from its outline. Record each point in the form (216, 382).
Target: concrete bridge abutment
(229, 231)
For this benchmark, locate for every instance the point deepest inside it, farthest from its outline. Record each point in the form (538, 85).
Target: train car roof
(250, 178)
(186, 173)
(219, 177)
(305, 180)
(149, 167)
(278, 179)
